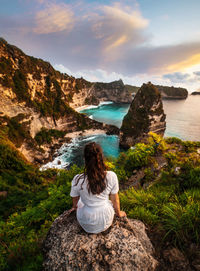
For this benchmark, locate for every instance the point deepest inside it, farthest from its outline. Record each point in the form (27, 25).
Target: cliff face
(172, 92)
(98, 92)
(165, 91)
(37, 97)
(145, 114)
(195, 93)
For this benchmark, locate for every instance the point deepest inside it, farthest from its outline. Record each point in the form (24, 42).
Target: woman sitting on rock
(90, 192)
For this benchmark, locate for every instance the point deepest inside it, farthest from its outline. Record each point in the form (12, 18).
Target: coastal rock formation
(195, 93)
(101, 92)
(172, 92)
(125, 246)
(166, 92)
(145, 114)
(34, 96)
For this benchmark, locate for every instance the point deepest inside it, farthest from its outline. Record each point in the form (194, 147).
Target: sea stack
(145, 114)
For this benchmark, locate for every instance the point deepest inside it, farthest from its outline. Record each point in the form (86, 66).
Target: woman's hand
(121, 214)
(116, 205)
(72, 209)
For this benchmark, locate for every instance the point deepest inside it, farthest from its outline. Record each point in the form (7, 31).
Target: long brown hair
(95, 168)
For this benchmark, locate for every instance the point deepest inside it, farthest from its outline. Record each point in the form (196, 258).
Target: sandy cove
(85, 133)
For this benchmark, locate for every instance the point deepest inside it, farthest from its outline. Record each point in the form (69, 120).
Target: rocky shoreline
(52, 149)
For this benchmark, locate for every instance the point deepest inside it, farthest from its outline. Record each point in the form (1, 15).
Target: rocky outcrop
(166, 92)
(172, 92)
(145, 114)
(100, 92)
(124, 246)
(195, 93)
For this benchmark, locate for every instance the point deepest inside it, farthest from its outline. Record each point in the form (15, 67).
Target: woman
(90, 192)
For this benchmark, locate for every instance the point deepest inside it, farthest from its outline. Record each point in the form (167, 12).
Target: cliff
(195, 93)
(35, 96)
(166, 92)
(172, 92)
(145, 114)
(98, 92)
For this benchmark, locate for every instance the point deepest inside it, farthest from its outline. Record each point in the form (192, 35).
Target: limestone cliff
(125, 246)
(172, 92)
(166, 92)
(195, 93)
(99, 92)
(145, 114)
(37, 96)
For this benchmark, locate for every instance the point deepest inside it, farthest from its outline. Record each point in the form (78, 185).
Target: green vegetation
(170, 205)
(21, 86)
(131, 89)
(45, 135)
(16, 132)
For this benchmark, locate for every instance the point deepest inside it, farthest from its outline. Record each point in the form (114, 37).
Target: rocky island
(166, 91)
(172, 92)
(195, 93)
(145, 115)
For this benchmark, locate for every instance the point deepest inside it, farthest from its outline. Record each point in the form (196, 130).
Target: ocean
(182, 118)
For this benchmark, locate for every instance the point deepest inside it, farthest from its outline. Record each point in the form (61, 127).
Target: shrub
(46, 136)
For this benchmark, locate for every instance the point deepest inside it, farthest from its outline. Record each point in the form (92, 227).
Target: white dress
(95, 212)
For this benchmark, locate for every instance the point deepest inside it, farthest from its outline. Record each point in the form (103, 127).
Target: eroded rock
(145, 114)
(124, 246)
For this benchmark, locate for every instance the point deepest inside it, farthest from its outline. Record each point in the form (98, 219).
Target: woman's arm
(75, 202)
(116, 205)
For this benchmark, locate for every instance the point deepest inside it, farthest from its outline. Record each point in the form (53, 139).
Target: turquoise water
(182, 116)
(183, 121)
(109, 114)
(72, 153)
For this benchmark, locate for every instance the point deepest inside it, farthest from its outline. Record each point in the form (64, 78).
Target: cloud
(54, 18)
(188, 62)
(117, 27)
(93, 75)
(188, 80)
(197, 73)
(177, 77)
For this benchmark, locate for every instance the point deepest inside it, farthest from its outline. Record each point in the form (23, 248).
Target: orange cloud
(191, 61)
(117, 27)
(121, 40)
(54, 18)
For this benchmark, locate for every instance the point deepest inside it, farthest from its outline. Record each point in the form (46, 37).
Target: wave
(105, 102)
(94, 106)
(58, 163)
(72, 152)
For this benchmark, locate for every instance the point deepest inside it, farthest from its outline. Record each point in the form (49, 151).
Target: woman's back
(89, 199)
(95, 211)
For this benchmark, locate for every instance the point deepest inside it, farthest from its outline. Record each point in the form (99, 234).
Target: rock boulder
(124, 246)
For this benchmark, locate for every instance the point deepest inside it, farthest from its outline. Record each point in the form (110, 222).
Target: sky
(133, 40)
